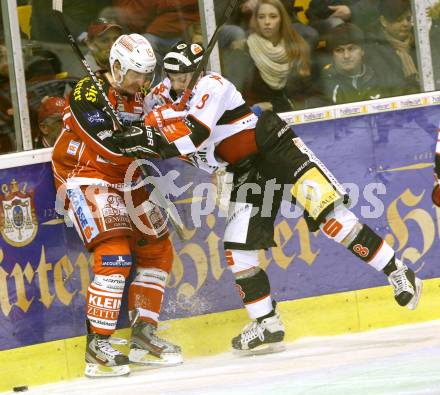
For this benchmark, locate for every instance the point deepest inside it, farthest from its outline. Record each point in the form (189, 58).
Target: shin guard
(112, 263)
(342, 226)
(370, 247)
(145, 295)
(254, 289)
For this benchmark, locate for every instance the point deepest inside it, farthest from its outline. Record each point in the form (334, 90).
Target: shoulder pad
(214, 81)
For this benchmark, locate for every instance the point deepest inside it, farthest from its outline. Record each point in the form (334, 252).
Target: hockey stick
(201, 65)
(57, 8)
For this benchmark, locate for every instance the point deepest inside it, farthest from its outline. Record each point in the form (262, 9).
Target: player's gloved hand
(436, 192)
(138, 141)
(164, 115)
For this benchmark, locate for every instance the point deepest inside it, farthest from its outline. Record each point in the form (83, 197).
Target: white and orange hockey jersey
(217, 128)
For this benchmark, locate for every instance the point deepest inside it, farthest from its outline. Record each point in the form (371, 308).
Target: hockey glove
(163, 116)
(136, 141)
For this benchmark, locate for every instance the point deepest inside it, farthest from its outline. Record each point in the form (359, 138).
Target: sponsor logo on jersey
(113, 211)
(94, 117)
(78, 88)
(90, 93)
(72, 149)
(83, 213)
(18, 221)
(139, 97)
(105, 134)
(116, 260)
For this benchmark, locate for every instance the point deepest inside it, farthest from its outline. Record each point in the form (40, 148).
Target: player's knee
(156, 254)
(112, 257)
(339, 223)
(316, 194)
(151, 275)
(240, 261)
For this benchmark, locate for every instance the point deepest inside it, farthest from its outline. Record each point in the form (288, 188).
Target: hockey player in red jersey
(219, 131)
(89, 173)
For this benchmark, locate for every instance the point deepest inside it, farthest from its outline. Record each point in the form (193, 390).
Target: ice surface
(392, 361)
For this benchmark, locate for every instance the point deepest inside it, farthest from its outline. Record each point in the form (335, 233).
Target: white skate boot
(263, 337)
(148, 349)
(102, 360)
(407, 287)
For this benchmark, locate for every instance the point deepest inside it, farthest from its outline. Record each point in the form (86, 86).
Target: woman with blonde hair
(278, 55)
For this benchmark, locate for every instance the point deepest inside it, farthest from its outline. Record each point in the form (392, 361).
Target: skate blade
(97, 370)
(143, 357)
(118, 341)
(269, 348)
(412, 305)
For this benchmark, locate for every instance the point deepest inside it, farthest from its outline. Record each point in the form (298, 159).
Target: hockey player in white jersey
(217, 130)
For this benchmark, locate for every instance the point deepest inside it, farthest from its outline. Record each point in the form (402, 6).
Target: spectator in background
(307, 32)
(162, 23)
(327, 14)
(40, 64)
(324, 15)
(349, 78)
(77, 13)
(391, 48)
(274, 53)
(101, 34)
(50, 121)
(7, 135)
(233, 34)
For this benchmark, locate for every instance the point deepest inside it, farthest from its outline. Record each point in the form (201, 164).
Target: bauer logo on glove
(136, 141)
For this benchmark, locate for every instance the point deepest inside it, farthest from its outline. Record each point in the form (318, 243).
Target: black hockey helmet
(183, 58)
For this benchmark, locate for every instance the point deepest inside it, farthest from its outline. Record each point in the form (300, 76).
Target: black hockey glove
(138, 141)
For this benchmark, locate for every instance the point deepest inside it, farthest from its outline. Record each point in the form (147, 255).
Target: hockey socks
(270, 314)
(254, 289)
(390, 267)
(145, 293)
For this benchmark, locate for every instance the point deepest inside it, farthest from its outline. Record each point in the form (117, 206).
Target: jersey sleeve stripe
(185, 145)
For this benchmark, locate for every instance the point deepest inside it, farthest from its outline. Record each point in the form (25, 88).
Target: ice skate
(148, 349)
(102, 360)
(263, 337)
(407, 287)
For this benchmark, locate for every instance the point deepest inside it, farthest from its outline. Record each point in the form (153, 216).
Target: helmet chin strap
(117, 82)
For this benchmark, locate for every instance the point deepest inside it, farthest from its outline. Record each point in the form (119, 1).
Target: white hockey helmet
(133, 52)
